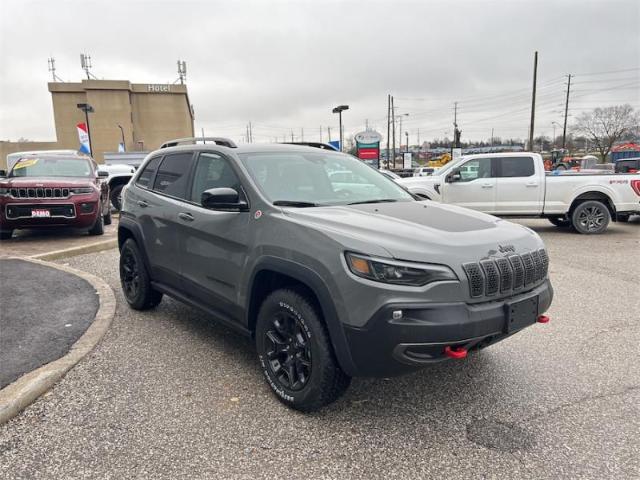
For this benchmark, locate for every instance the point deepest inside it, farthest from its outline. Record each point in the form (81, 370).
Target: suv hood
(419, 231)
(32, 182)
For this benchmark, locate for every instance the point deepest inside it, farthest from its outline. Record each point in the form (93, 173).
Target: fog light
(397, 314)
(86, 207)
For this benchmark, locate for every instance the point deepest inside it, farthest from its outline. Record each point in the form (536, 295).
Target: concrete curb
(81, 250)
(16, 396)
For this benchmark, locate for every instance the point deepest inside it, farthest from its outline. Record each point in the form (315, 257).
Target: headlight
(4, 191)
(397, 273)
(81, 190)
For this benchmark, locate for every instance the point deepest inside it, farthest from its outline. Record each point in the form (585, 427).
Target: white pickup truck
(516, 185)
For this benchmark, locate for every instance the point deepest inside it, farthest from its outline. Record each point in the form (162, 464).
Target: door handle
(487, 185)
(532, 185)
(187, 217)
(142, 203)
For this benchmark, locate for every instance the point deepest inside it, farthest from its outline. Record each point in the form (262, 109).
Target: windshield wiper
(378, 200)
(294, 203)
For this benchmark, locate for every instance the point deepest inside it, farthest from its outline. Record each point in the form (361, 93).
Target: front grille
(39, 192)
(24, 211)
(514, 272)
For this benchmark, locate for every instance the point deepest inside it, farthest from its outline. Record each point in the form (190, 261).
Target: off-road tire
(325, 382)
(107, 218)
(140, 295)
(98, 227)
(590, 217)
(560, 222)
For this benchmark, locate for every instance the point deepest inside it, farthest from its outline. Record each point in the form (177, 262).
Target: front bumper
(75, 212)
(388, 346)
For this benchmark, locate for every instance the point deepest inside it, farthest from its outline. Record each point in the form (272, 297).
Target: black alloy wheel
(591, 217)
(129, 274)
(288, 351)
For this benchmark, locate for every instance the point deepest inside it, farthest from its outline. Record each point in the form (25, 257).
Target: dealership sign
(368, 146)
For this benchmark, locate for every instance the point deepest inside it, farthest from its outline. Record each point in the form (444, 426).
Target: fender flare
(318, 286)
(136, 233)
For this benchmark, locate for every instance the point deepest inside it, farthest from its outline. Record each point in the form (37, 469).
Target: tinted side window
(173, 175)
(212, 171)
(516, 167)
(148, 172)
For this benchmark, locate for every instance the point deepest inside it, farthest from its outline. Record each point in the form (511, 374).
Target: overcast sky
(284, 65)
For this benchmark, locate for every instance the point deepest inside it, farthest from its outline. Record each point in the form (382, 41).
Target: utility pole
(292, 135)
(393, 125)
(533, 99)
(329, 134)
(251, 132)
(388, 128)
(566, 112)
(247, 133)
(492, 138)
(419, 145)
(320, 133)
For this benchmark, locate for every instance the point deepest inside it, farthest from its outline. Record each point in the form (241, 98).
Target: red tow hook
(543, 319)
(455, 352)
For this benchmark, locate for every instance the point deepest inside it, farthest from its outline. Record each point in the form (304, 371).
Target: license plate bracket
(521, 314)
(40, 213)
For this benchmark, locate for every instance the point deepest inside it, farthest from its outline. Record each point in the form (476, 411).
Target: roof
(246, 148)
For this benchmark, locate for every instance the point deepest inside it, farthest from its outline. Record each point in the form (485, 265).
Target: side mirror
(454, 176)
(223, 198)
(3, 173)
(102, 174)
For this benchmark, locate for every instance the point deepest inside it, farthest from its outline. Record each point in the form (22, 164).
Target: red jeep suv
(54, 191)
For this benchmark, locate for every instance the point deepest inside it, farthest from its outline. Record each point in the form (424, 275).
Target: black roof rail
(323, 146)
(225, 142)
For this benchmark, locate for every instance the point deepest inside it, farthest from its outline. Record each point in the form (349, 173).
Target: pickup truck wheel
(134, 278)
(5, 234)
(590, 217)
(560, 221)
(98, 227)
(116, 197)
(295, 353)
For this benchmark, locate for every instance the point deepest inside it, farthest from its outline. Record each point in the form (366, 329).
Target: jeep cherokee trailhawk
(332, 279)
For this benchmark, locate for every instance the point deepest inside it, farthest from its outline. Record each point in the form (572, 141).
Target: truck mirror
(454, 176)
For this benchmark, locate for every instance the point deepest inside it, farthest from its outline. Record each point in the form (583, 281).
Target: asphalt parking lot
(169, 395)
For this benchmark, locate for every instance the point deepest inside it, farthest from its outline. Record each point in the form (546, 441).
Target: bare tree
(605, 126)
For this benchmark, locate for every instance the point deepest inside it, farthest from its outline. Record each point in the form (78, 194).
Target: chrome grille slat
(40, 192)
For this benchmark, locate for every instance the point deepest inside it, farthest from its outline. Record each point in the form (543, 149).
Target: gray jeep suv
(334, 276)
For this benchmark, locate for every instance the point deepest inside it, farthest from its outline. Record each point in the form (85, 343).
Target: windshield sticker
(28, 162)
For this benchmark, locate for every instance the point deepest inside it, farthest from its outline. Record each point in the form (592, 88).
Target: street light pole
(339, 109)
(124, 146)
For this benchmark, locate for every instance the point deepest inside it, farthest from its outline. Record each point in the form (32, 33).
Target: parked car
(516, 185)
(329, 284)
(48, 191)
(628, 165)
(424, 171)
(117, 177)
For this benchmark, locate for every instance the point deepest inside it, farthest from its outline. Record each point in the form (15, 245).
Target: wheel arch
(128, 229)
(594, 195)
(273, 273)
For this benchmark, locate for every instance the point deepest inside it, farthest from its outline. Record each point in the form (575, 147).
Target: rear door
(161, 231)
(520, 190)
(476, 187)
(213, 244)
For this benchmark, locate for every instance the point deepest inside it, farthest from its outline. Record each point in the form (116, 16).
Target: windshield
(322, 178)
(51, 167)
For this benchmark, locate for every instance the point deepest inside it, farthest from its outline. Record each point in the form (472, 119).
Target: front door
(213, 244)
(476, 188)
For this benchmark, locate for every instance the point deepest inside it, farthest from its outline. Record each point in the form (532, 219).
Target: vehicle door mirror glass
(454, 176)
(223, 198)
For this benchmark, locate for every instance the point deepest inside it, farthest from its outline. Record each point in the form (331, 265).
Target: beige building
(149, 114)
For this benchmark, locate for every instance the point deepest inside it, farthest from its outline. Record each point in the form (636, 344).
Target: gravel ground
(169, 395)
